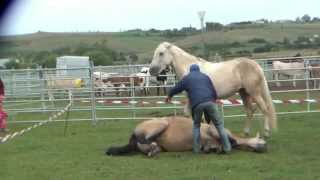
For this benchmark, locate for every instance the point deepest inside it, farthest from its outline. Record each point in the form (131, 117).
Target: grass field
(45, 153)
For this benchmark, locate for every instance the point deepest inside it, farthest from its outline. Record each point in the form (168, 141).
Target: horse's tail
(124, 150)
(272, 117)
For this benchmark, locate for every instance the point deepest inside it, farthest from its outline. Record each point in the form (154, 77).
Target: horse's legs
(263, 107)
(147, 142)
(294, 81)
(51, 97)
(158, 90)
(187, 109)
(276, 77)
(255, 143)
(154, 149)
(249, 108)
(164, 87)
(149, 149)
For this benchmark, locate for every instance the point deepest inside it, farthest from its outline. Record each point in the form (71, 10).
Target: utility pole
(201, 15)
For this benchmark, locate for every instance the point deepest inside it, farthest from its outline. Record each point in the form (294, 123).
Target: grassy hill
(143, 43)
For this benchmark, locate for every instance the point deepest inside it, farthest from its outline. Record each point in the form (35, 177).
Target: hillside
(143, 43)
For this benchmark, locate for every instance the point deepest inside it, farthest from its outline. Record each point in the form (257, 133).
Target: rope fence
(9, 137)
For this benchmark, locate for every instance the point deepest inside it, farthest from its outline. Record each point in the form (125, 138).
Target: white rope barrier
(23, 131)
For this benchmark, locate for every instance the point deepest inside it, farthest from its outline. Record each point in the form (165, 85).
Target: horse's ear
(168, 45)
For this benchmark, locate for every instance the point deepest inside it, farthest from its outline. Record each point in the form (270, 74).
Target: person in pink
(3, 114)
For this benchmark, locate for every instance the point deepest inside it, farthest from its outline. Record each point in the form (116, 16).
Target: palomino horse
(174, 134)
(292, 69)
(239, 75)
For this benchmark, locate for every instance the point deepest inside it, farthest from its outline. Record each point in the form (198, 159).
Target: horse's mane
(179, 51)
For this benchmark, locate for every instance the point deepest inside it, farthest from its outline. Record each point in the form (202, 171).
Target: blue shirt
(198, 86)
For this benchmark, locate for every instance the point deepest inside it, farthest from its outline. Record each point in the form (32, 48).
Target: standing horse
(239, 75)
(174, 134)
(292, 69)
(63, 84)
(159, 81)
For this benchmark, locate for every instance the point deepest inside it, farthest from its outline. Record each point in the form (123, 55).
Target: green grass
(45, 153)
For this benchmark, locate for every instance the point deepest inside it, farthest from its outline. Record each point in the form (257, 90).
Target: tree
(213, 26)
(316, 19)
(49, 61)
(286, 41)
(12, 64)
(99, 58)
(306, 18)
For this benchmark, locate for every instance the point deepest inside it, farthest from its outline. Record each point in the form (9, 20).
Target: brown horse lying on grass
(174, 134)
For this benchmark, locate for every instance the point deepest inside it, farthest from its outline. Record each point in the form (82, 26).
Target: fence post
(307, 79)
(13, 83)
(132, 89)
(29, 80)
(174, 84)
(92, 93)
(42, 86)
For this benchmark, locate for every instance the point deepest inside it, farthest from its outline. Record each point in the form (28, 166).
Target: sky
(29, 16)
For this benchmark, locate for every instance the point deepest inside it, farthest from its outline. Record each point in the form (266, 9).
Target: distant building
(261, 21)
(73, 66)
(284, 21)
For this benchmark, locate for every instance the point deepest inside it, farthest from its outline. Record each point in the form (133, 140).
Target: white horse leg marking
(247, 102)
(276, 75)
(154, 149)
(187, 109)
(263, 108)
(248, 121)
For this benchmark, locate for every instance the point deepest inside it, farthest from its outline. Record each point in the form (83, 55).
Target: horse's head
(162, 59)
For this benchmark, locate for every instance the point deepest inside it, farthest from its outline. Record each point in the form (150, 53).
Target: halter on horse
(239, 75)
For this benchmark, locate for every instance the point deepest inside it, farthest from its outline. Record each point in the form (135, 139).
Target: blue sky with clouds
(28, 16)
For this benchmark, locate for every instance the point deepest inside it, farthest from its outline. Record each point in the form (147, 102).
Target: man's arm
(178, 88)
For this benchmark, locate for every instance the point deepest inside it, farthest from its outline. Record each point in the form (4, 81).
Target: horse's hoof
(108, 152)
(151, 154)
(111, 151)
(261, 148)
(266, 134)
(246, 134)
